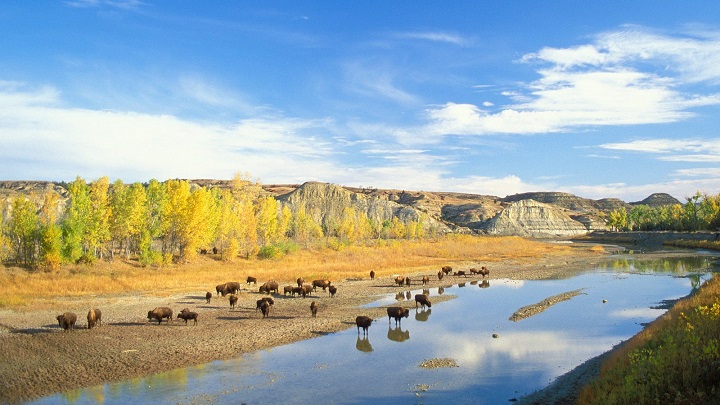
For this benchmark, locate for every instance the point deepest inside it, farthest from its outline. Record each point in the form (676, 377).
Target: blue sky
(599, 99)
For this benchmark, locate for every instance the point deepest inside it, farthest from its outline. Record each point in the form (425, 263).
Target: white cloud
(436, 37)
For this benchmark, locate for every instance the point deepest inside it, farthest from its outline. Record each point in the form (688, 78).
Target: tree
(50, 254)
(691, 209)
(22, 231)
(98, 232)
(268, 224)
(75, 224)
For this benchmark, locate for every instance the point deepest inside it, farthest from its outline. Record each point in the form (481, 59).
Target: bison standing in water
(398, 313)
(160, 313)
(363, 322)
(423, 300)
(94, 317)
(67, 321)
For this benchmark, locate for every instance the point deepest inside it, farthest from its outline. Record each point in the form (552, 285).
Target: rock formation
(534, 219)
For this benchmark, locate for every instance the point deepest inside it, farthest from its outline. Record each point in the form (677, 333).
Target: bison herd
(67, 320)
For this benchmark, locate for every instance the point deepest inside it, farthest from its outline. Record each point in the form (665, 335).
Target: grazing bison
(299, 281)
(364, 323)
(425, 280)
(332, 289)
(423, 300)
(269, 287)
(320, 283)
(220, 288)
(160, 313)
(460, 273)
(94, 317)
(233, 301)
(473, 270)
(265, 308)
(188, 315)
(232, 287)
(67, 321)
(288, 289)
(313, 309)
(251, 279)
(399, 280)
(398, 313)
(306, 290)
(440, 275)
(259, 304)
(208, 296)
(296, 291)
(372, 274)
(446, 269)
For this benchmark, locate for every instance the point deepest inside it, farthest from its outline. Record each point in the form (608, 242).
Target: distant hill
(537, 214)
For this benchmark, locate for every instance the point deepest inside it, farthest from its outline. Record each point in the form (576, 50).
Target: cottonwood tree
(22, 231)
(50, 237)
(75, 224)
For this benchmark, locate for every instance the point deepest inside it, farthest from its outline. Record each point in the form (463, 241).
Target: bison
(296, 291)
(425, 280)
(208, 296)
(460, 273)
(232, 287)
(188, 315)
(446, 269)
(313, 309)
(233, 301)
(94, 317)
(484, 271)
(423, 300)
(299, 281)
(332, 289)
(269, 287)
(407, 280)
(251, 279)
(440, 275)
(265, 308)
(67, 321)
(363, 322)
(372, 274)
(398, 313)
(159, 313)
(306, 290)
(259, 303)
(320, 283)
(220, 288)
(399, 280)
(288, 289)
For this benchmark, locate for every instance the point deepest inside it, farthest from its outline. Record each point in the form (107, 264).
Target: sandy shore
(39, 359)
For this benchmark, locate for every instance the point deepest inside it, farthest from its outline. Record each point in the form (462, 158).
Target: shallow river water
(384, 368)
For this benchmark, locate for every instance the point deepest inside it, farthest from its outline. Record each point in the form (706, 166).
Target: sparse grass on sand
(20, 287)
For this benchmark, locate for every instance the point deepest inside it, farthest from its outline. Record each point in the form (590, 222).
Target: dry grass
(21, 288)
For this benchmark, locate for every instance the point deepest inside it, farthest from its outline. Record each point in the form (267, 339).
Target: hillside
(536, 214)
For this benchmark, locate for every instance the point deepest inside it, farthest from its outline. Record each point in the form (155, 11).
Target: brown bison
(208, 296)
(320, 283)
(299, 281)
(473, 270)
(220, 288)
(423, 300)
(306, 290)
(251, 279)
(364, 323)
(159, 313)
(259, 303)
(269, 287)
(296, 291)
(313, 309)
(332, 289)
(232, 287)
(67, 321)
(233, 301)
(188, 315)
(399, 280)
(425, 280)
(288, 289)
(407, 280)
(446, 269)
(460, 273)
(398, 313)
(440, 275)
(94, 317)
(265, 308)
(372, 274)
(484, 271)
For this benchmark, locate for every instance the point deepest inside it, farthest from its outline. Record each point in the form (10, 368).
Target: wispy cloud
(675, 150)
(436, 36)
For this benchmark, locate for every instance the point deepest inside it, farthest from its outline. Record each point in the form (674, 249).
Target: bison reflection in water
(441, 290)
(363, 344)
(422, 315)
(397, 334)
(485, 284)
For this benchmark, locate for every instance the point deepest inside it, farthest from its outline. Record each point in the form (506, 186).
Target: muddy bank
(39, 359)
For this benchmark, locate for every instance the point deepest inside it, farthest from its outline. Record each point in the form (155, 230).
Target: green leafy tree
(75, 224)
(50, 233)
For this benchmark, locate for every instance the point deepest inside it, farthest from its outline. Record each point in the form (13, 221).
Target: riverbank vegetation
(22, 287)
(674, 360)
(700, 212)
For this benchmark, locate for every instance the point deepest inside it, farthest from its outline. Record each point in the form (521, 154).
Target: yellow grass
(19, 287)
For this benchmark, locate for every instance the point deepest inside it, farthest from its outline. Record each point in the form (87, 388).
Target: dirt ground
(37, 358)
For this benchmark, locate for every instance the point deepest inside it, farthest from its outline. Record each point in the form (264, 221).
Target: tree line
(172, 221)
(700, 212)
